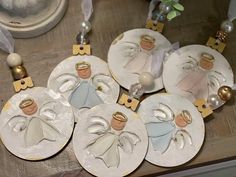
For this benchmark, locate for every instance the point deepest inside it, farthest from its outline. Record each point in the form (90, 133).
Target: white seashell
(20, 126)
(135, 138)
(66, 86)
(126, 144)
(186, 136)
(98, 120)
(49, 114)
(164, 113)
(179, 141)
(96, 129)
(18, 123)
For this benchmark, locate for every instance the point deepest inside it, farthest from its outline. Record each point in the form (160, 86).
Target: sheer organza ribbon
(232, 10)
(87, 8)
(7, 42)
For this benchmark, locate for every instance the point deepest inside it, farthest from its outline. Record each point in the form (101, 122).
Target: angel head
(118, 121)
(147, 42)
(28, 106)
(83, 69)
(183, 119)
(206, 61)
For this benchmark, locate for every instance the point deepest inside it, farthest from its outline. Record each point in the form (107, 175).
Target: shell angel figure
(85, 91)
(111, 139)
(199, 78)
(144, 56)
(169, 127)
(35, 122)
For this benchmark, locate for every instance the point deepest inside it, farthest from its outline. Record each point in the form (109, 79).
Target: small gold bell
(19, 72)
(225, 93)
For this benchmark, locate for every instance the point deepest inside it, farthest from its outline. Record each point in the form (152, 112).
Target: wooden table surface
(112, 17)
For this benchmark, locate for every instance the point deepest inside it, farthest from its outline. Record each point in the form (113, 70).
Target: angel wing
(129, 49)
(98, 125)
(47, 110)
(163, 113)
(182, 137)
(103, 83)
(17, 123)
(128, 140)
(66, 82)
(215, 80)
(190, 65)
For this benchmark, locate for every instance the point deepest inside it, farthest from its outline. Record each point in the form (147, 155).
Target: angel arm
(66, 82)
(129, 49)
(127, 141)
(98, 125)
(102, 82)
(47, 110)
(191, 64)
(17, 123)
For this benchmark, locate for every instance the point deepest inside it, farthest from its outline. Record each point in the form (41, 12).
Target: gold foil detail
(23, 84)
(128, 102)
(81, 50)
(155, 27)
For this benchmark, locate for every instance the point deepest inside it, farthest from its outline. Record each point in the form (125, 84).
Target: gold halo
(120, 117)
(187, 116)
(26, 102)
(208, 57)
(148, 38)
(82, 65)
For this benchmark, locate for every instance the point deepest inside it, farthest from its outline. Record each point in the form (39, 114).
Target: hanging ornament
(35, 123)
(175, 129)
(84, 80)
(201, 73)
(110, 140)
(136, 57)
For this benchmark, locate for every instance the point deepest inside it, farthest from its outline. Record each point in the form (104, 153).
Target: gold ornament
(225, 93)
(19, 72)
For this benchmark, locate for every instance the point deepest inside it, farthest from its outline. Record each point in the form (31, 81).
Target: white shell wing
(67, 82)
(18, 123)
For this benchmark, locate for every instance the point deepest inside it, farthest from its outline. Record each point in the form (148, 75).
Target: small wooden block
(81, 50)
(23, 84)
(155, 27)
(131, 103)
(203, 108)
(220, 46)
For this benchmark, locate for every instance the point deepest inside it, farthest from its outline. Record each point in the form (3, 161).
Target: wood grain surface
(200, 20)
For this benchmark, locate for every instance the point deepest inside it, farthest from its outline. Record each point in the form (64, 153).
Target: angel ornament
(87, 91)
(35, 122)
(199, 77)
(169, 127)
(112, 139)
(139, 54)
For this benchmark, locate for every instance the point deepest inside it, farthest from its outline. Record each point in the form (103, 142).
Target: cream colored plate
(35, 24)
(173, 156)
(63, 122)
(173, 71)
(98, 66)
(117, 60)
(128, 161)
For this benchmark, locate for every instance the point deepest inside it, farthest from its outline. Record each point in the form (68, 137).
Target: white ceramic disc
(34, 24)
(172, 156)
(53, 121)
(126, 50)
(173, 73)
(110, 92)
(128, 161)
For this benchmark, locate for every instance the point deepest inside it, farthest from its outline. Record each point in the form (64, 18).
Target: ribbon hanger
(21, 79)
(83, 47)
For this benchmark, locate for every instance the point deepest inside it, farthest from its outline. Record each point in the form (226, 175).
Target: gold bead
(19, 72)
(225, 93)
